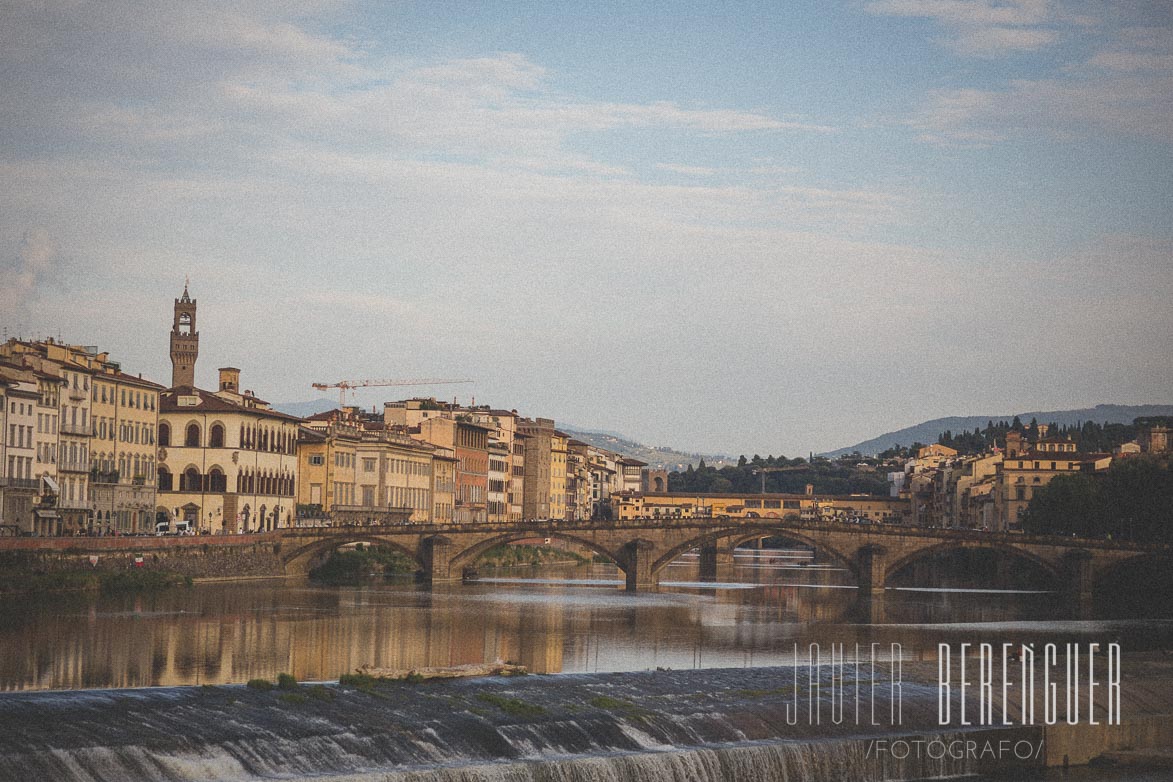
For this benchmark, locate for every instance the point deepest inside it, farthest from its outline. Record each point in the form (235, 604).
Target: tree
(1130, 501)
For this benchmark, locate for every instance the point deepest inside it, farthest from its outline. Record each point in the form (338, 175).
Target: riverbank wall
(199, 557)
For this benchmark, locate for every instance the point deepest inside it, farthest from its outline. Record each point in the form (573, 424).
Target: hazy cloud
(29, 271)
(981, 27)
(1059, 109)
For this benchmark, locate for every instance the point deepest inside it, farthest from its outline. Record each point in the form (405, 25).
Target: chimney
(230, 379)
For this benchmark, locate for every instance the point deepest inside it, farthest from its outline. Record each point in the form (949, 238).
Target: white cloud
(27, 272)
(981, 27)
(702, 171)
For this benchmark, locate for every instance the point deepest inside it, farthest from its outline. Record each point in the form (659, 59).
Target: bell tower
(185, 341)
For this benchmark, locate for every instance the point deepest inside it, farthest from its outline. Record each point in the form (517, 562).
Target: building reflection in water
(225, 633)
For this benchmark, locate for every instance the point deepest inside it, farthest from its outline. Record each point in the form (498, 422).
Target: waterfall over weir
(653, 726)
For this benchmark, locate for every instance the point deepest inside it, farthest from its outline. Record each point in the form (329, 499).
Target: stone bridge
(643, 547)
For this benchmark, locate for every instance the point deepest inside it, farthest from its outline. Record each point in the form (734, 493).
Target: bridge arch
(297, 560)
(1050, 570)
(469, 555)
(735, 536)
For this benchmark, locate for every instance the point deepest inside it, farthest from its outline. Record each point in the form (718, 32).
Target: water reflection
(551, 620)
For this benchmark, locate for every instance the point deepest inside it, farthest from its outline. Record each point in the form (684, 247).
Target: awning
(46, 514)
(52, 484)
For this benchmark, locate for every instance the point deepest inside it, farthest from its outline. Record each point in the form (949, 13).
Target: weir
(688, 725)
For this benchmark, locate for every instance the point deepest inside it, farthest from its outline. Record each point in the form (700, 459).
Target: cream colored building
(228, 462)
(19, 484)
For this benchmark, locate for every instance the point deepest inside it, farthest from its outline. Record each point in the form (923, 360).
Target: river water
(552, 619)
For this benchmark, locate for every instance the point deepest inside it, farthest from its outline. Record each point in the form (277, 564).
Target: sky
(725, 227)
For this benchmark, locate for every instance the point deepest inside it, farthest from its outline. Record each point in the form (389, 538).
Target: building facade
(228, 463)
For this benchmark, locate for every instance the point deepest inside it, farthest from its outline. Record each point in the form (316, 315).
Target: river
(551, 619)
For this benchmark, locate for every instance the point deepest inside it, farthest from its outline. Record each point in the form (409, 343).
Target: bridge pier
(1078, 572)
(872, 563)
(436, 554)
(715, 561)
(638, 565)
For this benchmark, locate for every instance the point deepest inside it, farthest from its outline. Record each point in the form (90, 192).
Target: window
(164, 435)
(216, 436)
(316, 460)
(192, 439)
(190, 480)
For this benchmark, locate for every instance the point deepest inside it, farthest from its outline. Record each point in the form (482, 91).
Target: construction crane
(348, 385)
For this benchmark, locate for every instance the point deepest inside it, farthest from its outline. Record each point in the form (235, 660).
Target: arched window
(192, 440)
(164, 479)
(216, 436)
(190, 480)
(216, 480)
(164, 435)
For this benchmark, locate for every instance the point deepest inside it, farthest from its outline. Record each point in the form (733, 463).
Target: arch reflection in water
(222, 633)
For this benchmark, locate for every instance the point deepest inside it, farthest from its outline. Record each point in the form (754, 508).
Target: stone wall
(198, 557)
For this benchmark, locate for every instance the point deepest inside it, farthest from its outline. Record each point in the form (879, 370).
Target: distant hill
(305, 409)
(928, 431)
(658, 458)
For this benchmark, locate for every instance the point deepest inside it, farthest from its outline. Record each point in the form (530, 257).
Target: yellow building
(444, 465)
(813, 507)
(353, 468)
(559, 444)
(1027, 467)
(536, 437)
(123, 451)
(101, 422)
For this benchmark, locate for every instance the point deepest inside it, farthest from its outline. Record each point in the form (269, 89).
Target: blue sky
(737, 227)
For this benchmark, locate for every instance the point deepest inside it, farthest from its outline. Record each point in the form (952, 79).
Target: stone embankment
(200, 557)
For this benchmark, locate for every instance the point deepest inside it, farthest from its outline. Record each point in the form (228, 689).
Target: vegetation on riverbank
(362, 563)
(105, 581)
(508, 555)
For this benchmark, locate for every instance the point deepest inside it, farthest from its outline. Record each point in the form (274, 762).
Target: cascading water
(686, 725)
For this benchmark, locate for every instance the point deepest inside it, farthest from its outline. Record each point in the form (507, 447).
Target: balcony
(75, 429)
(66, 466)
(97, 476)
(19, 483)
(77, 394)
(369, 509)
